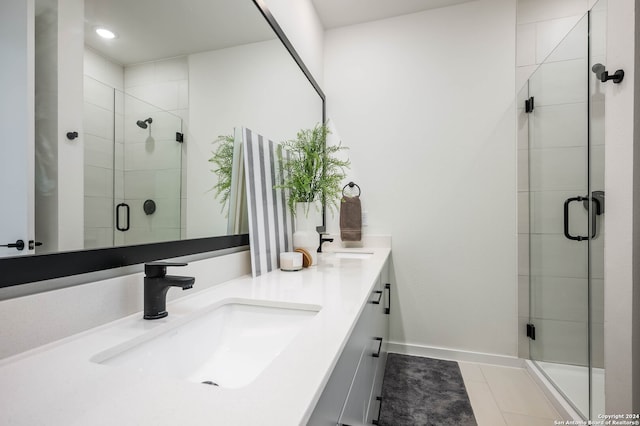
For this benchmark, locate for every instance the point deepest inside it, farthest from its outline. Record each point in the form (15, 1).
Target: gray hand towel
(350, 219)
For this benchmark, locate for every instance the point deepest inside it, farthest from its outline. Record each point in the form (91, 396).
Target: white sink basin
(228, 345)
(353, 254)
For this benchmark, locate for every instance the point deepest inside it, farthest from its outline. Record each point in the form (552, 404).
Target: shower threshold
(571, 380)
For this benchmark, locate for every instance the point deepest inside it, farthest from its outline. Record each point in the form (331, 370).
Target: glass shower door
(148, 173)
(559, 217)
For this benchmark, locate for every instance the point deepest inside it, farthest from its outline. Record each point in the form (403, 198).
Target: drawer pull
(377, 354)
(387, 310)
(379, 293)
(375, 421)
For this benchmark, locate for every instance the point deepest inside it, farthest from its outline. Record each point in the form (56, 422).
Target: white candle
(290, 261)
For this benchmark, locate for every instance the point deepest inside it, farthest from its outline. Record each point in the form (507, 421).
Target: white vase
(305, 235)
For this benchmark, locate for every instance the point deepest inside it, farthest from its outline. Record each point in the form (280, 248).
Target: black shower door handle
(566, 218)
(128, 213)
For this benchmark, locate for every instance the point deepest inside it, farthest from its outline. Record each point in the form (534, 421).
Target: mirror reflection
(170, 80)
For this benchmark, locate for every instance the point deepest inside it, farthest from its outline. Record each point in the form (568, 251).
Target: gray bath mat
(420, 391)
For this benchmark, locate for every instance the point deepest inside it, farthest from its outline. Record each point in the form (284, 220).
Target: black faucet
(321, 232)
(156, 285)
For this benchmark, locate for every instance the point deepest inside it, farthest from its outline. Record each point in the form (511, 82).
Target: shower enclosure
(133, 169)
(563, 103)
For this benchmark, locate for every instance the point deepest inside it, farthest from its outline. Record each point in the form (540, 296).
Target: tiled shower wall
(155, 168)
(100, 126)
(541, 26)
(150, 167)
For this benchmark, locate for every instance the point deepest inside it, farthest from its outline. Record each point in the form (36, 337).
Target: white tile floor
(506, 396)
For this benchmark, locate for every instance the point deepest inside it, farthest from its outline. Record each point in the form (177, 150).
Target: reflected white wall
(235, 87)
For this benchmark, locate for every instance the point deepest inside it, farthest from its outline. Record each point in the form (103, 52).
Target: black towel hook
(351, 185)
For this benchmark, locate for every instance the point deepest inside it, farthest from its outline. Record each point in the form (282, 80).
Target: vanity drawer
(356, 406)
(332, 401)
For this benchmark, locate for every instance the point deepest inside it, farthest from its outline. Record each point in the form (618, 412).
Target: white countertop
(57, 384)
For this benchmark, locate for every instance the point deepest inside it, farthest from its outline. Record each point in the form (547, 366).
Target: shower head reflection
(143, 124)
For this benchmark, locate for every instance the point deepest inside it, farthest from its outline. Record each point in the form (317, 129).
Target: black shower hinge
(531, 331)
(528, 105)
(179, 137)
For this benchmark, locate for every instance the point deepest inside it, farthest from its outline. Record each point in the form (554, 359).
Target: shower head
(598, 69)
(143, 124)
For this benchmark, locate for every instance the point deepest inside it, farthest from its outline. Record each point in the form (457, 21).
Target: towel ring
(351, 185)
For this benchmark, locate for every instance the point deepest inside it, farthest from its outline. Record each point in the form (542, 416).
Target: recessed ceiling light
(105, 33)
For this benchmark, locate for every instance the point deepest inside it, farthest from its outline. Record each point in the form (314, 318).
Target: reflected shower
(143, 124)
(598, 69)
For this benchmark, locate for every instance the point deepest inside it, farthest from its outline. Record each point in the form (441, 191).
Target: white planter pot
(305, 235)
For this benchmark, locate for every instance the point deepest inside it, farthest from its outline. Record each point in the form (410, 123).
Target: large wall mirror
(161, 99)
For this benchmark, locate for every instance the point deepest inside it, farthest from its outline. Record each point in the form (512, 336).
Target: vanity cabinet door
(356, 406)
(331, 404)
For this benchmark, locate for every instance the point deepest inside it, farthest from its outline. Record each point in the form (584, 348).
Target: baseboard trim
(456, 355)
(557, 400)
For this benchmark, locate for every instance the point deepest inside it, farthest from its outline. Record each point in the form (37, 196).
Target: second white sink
(228, 345)
(353, 254)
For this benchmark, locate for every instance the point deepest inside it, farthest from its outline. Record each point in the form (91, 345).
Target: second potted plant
(312, 174)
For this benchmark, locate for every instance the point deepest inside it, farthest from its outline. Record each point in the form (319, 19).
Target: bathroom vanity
(285, 348)
(354, 392)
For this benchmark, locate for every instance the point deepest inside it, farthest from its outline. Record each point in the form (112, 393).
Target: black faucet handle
(159, 269)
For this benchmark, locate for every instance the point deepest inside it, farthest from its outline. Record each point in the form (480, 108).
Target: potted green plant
(222, 160)
(312, 174)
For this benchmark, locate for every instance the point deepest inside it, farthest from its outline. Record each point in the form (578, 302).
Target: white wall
(426, 104)
(622, 239)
